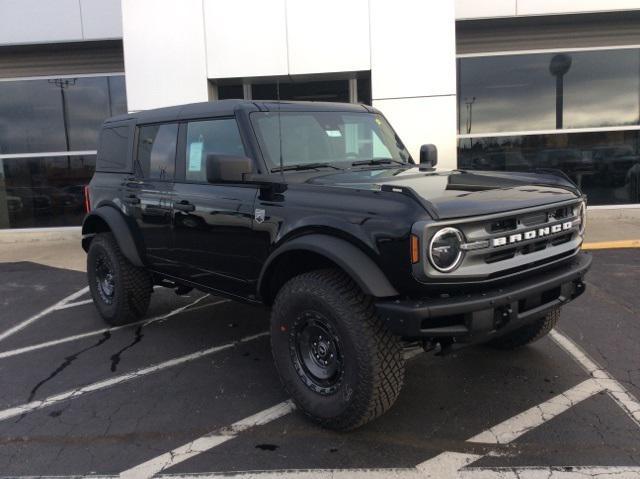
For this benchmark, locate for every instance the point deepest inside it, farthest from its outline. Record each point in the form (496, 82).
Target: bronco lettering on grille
(532, 234)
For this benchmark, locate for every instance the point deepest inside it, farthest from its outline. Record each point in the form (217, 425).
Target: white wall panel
(101, 19)
(245, 38)
(467, 9)
(413, 48)
(425, 120)
(39, 21)
(164, 53)
(328, 36)
(548, 7)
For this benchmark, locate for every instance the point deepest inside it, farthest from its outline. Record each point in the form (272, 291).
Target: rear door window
(157, 151)
(113, 149)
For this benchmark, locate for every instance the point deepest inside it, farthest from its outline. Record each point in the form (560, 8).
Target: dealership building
(498, 84)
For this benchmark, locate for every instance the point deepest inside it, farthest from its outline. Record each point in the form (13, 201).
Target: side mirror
(227, 168)
(428, 156)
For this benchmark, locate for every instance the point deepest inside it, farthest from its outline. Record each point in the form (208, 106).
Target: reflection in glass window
(43, 192)
(519, 92)
(113, 152)
(605, 165)
(157, 150)
(57, 114)
(212, 136)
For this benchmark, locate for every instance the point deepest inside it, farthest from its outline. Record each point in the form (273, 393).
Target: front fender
(117, 224)
(360, 267)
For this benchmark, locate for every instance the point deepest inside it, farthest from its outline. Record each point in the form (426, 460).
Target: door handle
(184, 205)
(132, 200)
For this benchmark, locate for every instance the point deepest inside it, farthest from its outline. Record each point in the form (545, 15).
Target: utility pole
(63, 84)
(559, 67)
(469, 105)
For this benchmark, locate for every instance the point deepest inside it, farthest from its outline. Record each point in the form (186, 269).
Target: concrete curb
(625, 244)
(32, 235)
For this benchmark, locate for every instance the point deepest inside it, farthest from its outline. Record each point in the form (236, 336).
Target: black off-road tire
(528, 334)
(372, 362)
(132, 286)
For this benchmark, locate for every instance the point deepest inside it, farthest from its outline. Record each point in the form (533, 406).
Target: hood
(457, 194)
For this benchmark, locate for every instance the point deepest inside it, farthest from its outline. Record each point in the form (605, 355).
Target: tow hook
(502, 316)
(441, 347)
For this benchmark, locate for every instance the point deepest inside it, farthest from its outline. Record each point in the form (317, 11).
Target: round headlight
(583, 217)
(445, 251)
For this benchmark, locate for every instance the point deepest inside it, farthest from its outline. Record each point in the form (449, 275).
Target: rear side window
(157, 150)
(113, 149)
(210, 136)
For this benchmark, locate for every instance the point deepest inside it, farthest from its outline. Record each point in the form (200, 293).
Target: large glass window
(326, 137)
(505, 99)
(157, 150)
(57, 114)
(43, 115)
(301, 88)
(212, 136)
(544, 91)
(43, 191)
(605, 165)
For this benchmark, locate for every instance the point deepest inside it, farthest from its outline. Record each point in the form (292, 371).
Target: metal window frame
(547, 50)
(52, 77)
(247, 85)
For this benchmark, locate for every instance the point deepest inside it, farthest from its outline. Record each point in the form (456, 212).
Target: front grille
(513, 242)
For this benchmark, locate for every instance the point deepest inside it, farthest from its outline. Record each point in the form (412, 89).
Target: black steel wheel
(316, 352)
(121, 292)
(104, 277)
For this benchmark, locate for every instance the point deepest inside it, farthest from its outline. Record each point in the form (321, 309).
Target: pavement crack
(115, 358)
(68, 360)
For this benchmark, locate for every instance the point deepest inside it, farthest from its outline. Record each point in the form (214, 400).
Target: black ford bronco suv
(319, 212)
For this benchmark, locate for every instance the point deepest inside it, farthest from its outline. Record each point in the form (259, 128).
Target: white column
(413, 72)
(164, 53)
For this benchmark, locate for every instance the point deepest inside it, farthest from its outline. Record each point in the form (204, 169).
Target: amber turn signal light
(415, 249)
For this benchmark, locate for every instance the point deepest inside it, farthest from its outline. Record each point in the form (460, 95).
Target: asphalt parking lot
(191, 392)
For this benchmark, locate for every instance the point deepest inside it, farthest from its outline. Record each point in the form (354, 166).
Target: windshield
(326, 137)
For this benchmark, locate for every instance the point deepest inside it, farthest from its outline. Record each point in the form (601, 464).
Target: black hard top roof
(229, 107)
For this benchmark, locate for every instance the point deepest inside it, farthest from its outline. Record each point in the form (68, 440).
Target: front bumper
(482, 316)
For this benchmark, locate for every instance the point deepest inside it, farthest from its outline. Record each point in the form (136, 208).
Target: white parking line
(97, 332)
(73, 305)
(75, 393)
(447, 465)
(34, 318)
(209, 441)
(615, 389)
(515, 427)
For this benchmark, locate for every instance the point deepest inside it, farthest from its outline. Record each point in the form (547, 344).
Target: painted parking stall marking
(60, 304)
(447, 465)
(144, 322)
(209, 441)
(107, 383)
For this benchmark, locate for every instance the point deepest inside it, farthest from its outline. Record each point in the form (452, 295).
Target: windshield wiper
(376, 161)
(305, 166)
